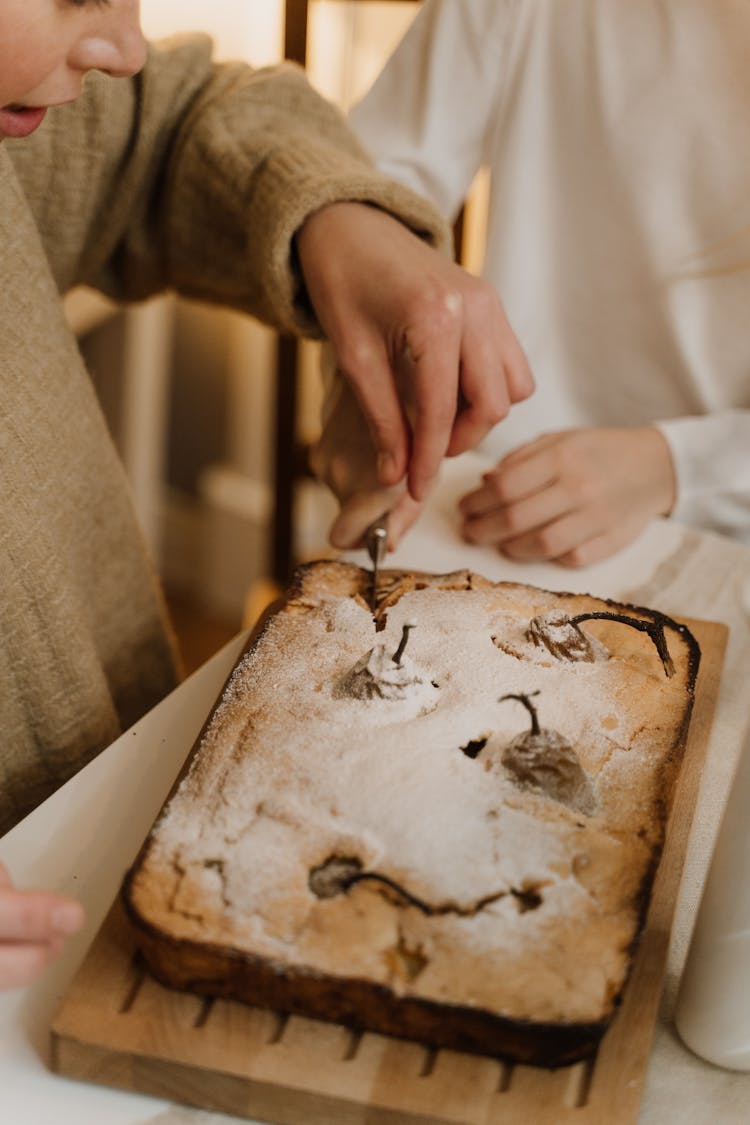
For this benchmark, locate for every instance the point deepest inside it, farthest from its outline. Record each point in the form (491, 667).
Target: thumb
(359, 511)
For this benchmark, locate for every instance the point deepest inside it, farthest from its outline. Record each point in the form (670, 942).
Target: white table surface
(84, 837)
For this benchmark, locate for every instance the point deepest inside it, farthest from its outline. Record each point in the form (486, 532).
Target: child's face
(47, 47)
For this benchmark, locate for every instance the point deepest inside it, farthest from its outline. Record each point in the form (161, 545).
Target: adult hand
(574, 497)
(33, 928)
(425, 345)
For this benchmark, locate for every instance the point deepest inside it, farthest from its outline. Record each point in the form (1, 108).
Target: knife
(376, 541)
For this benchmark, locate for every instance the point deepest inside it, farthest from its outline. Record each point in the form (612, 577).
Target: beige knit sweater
(192, 176)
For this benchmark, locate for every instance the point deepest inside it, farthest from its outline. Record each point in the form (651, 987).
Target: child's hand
(409, 327)
(344, 458)
(33, 928)
(574, 497)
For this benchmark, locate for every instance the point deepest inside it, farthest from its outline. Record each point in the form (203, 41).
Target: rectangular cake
(438, 820)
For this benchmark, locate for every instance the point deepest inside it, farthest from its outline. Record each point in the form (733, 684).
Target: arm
(429, 113)
(197, 176)
(223, 181)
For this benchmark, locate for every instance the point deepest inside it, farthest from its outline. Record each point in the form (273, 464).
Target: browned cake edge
(223, 971)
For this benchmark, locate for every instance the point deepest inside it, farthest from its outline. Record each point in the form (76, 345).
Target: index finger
(37, 916)
(367, 369)
(494, 371)
(434, 363)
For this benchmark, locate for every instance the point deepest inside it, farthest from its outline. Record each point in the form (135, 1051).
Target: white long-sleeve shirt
(617, 133)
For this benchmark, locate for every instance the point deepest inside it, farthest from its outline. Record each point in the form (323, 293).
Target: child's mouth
(20, 120)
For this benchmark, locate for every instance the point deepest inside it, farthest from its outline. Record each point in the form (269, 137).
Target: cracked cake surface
(372, 830)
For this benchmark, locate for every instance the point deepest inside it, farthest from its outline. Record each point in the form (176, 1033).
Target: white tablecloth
(83, 838)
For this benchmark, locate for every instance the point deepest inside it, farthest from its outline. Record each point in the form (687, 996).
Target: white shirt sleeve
(711, 456)
(426, 117)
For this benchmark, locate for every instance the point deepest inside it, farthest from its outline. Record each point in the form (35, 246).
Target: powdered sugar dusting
(411, 785)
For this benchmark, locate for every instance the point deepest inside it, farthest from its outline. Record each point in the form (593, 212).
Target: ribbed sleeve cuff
(306, 182)
(258, 155)
(711, 458)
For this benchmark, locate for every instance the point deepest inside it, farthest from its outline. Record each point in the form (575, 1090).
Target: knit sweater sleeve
(196, 176)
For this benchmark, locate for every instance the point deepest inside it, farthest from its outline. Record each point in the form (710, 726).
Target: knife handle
(376, 539)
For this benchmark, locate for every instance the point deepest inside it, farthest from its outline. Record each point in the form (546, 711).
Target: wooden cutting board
(118, 1027)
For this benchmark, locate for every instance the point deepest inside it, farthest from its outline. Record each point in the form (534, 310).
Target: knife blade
(376, 541)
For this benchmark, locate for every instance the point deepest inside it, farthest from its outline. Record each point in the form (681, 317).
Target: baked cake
(440, 820)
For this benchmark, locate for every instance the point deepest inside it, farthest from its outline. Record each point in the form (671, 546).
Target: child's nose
(116, 46)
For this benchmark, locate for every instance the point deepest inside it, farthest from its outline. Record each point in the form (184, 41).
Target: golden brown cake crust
(440, 823)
